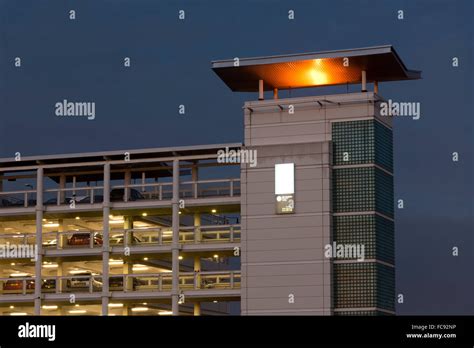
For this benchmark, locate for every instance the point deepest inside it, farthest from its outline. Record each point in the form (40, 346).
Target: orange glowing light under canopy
(381, 63)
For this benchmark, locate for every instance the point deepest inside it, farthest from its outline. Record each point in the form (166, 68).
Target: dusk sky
(137, 107)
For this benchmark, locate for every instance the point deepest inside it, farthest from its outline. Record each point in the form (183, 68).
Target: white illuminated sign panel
(284, 178)
(285, 188)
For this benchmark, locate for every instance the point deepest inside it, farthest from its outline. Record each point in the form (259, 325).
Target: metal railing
(18, 238)
(24, 198)
(74, 283)
(123, 193)
(187, 281)
(210, 188)
(164, 236)
(136, 192)
(127, 237)
(77, 195)
(17, 285)
(205, 280)
(72, 239)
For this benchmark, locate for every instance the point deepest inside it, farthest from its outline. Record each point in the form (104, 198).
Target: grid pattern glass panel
(362, 142)
(373, 231)
(355, 139)
(355, 285)
(383, 146)
(364, 285)
(385, 239)
(356, 229)
(384, 192)
(361, 313)
(353, 190)
(362, 189)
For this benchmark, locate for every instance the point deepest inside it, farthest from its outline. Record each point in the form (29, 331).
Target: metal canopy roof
(381, 63)
(100, 156)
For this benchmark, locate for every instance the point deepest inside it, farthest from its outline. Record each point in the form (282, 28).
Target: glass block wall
(363, 285)
(362, 185)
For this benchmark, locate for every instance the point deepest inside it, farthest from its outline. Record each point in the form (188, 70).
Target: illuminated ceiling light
(19, 274)
(139, 267)
(139, 309)
(115, 305)
(180, 257)
(115, 262)
(50, 265)
(165, 313)
(78, 218)
(44, 220)
(213, 211)
(18, 313)
(77, 271)
(51, 224)
(144, 303)
(116, 221)
(77, 311)
(215, 301)
(12, 264)
(76, 305)
(145, 259)
(49, 307)
(318, 77)
(144, 214)
(216, 256)
(180, 213)
(11, 307)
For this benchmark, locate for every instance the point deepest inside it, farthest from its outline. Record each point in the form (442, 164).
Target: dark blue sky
(82, 60)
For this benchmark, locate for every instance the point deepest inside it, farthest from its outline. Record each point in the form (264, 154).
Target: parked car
(118, 239)
(15, 285)
(83, 281)
(84, 239)
(116, 283)
(117, 195)
(50, 243)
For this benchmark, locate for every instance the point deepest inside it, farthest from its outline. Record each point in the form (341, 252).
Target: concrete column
(197, 271)
(62, 185)
(127, 182)
(376, 87)
(128, 269)
(39, 238)
(60, 272)
(63, 310)
(364, 81)
(197, 308)
(197, 216)
(260, 90)
(175, 241)
(126, 310)
(61, 237)
(197, 228)
(105, 238)
(128, 225)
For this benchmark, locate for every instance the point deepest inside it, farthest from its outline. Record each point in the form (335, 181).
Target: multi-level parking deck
(114, 230)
